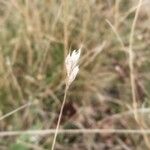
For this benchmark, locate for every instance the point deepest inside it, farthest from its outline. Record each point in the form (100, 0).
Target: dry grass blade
(14, 111)
(74, 131)
(131, 59)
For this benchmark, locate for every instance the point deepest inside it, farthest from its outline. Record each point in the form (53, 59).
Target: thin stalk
(59, 118)
(14, 111)
(132, 76)
(75, 131)
(131, 61)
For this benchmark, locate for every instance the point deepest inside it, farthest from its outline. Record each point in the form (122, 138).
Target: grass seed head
(71, 65)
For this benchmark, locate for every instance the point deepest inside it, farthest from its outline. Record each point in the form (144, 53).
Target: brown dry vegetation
(36, 36)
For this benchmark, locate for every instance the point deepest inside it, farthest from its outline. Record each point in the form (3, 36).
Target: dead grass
(35, 37)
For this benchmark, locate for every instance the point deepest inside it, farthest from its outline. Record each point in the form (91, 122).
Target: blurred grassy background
(36, 36)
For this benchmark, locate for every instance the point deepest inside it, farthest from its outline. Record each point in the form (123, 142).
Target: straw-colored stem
(75, 131)
(14, 111)
(132, 76)
(59, 118)
(131, 61)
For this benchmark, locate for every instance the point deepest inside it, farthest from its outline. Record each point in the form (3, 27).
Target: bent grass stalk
(132, 76)
(131, 61)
